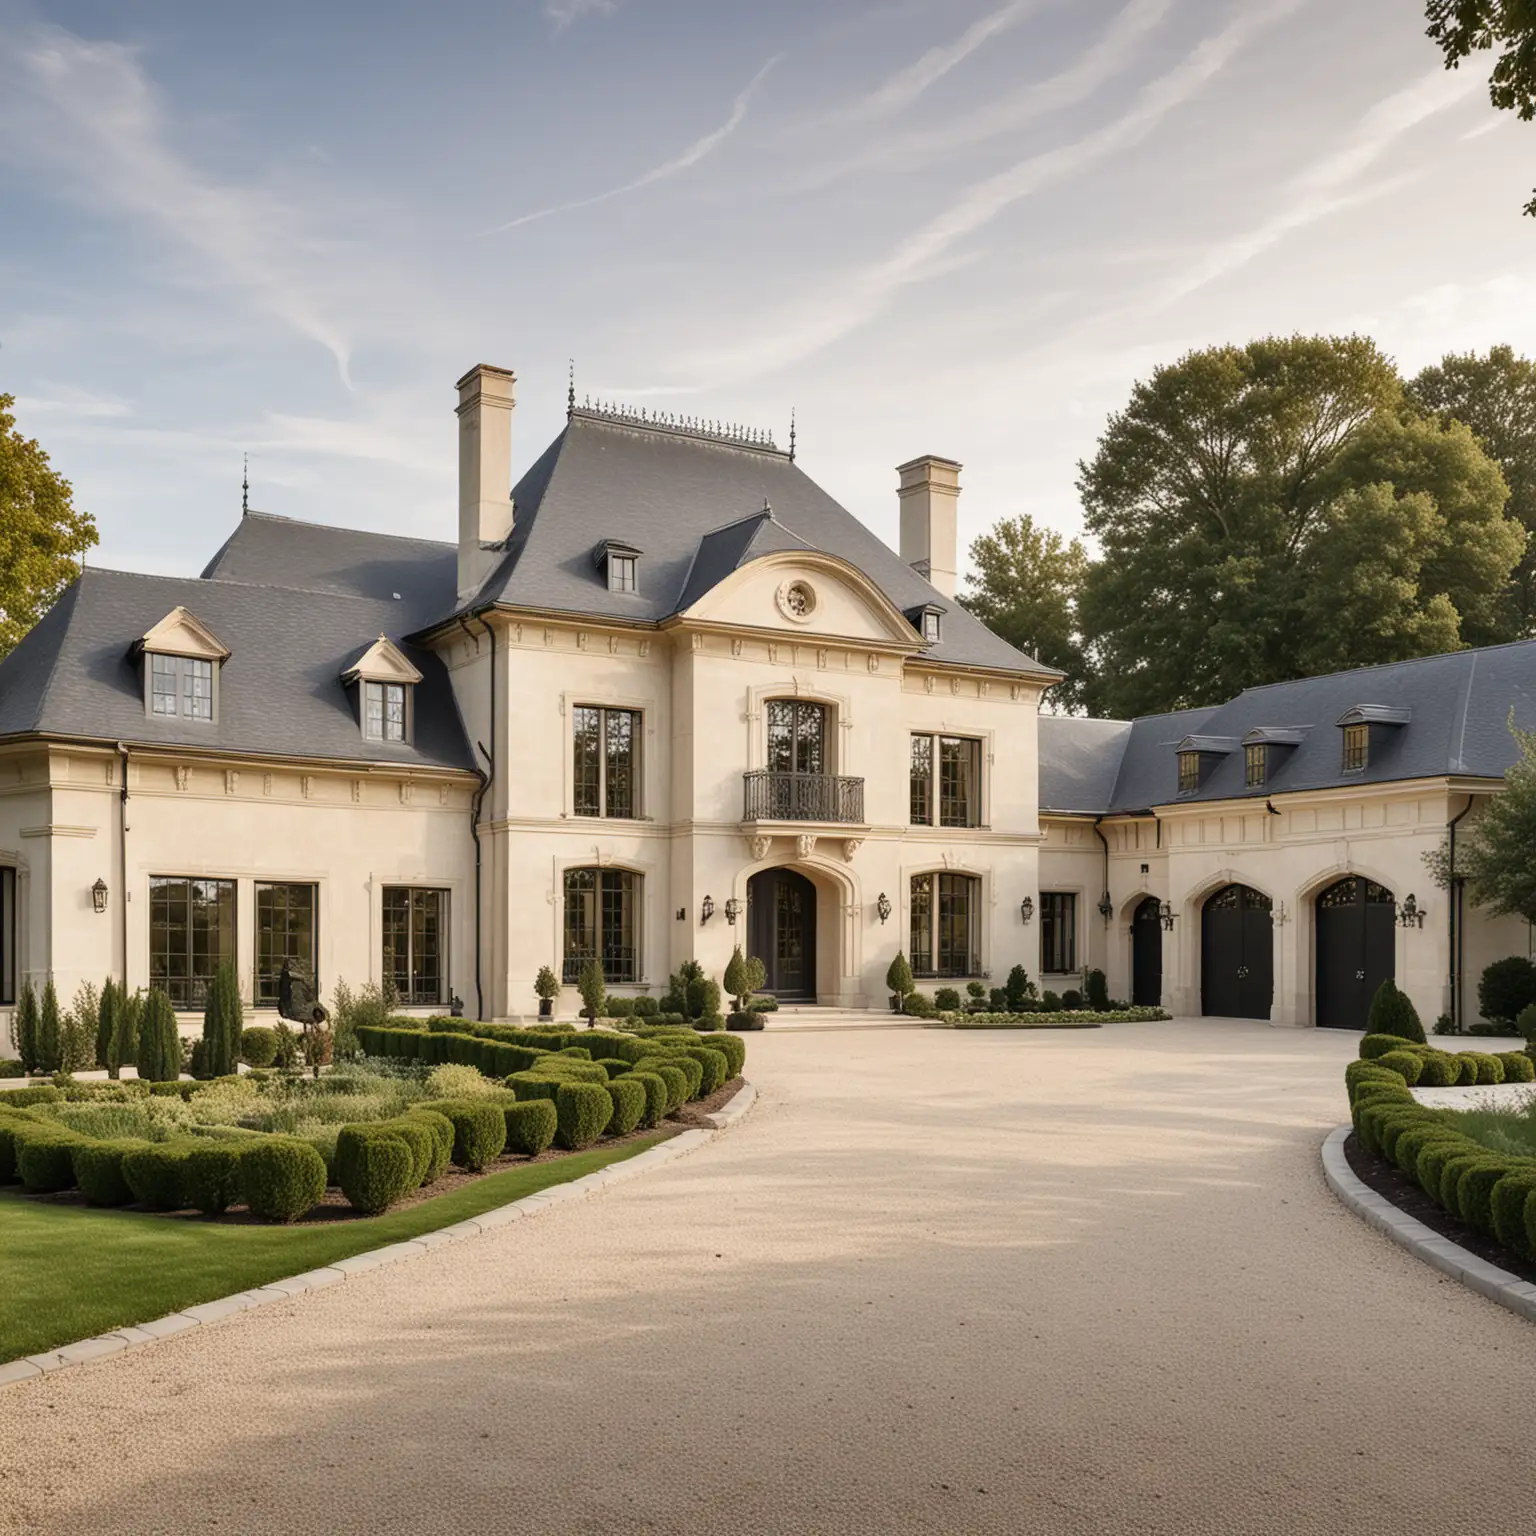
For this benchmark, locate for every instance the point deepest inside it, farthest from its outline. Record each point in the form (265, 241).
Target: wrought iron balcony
(803, 797)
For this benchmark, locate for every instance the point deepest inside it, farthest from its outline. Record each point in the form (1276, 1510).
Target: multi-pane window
(797, 736)
(931, 625)
(1058, 932)
(191, 934)
(946, 781)
(416, 943)
(384, 711)
(621, 573)
(1189, 772)
(1256, 766)
(180, 685)
(286, 930)
(606, 759)
(600, 922)
(946, 920)
(1357, 742)
(7, 934)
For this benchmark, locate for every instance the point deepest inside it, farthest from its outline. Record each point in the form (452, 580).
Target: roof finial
(791, 434)
(570, 392)
(245, 486)
(767, 507)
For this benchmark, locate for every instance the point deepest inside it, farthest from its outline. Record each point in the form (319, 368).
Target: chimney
(485, 470)
(928, 490)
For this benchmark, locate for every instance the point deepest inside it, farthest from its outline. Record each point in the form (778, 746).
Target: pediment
(182, 633)
(382, 662)
(805, 592)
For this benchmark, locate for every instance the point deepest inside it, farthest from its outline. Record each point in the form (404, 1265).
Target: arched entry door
(781, 932)
(1237, 954)
(1355, 950)
(1147, 954)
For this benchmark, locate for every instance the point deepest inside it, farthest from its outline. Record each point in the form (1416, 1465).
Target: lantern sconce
(732, 911)
(706, 910)
(1027, 908)
(1411, 914)
(682, 914)
(1106, 908)
(99, 895)
(1168, 916)
(883, 907)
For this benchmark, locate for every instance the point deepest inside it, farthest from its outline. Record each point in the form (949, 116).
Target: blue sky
(953, 226)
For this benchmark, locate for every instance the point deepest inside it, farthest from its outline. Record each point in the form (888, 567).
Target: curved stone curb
(343, 1269)
(1421, 1241)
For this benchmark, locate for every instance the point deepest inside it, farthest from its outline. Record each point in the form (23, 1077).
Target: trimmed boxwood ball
(675, 1079)
(1466, 1063)
(479, 1131)
(258, 1046)
(1489, 1068)
(1507, 1204)
(714, 1065)
(1474, 1191)
(1434, 1157)
(1373, 1047)
(655, 1095)
(536, 1085)
(46, 1162)
(157, 1175)
(1393, 1126)
(440, 1128)
(1438, 1070)
(1405, 1152)
(1405, 1064)
(376, 1168)
(99, 1171)
(692, 1070)
(1358, 1073)
(613, 1066)
(628, 1105)
(281, 1178)
(211, 1175)
(1450, 1175)
(583, 1111)
(531, 1126)
(734, 1051)
(1518, 1067)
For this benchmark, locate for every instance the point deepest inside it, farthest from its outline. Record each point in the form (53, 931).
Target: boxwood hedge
(583, 1111)
(211, 1175)
(281, 1178)
(531, 1126)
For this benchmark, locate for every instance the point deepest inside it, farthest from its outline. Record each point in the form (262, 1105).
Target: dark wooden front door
(1237, 954)
(1147, 955)
(1356, 950)
(781, 930)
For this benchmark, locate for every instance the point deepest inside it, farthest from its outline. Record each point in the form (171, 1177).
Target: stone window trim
(839, 723)
(609, 781)
(648, 711)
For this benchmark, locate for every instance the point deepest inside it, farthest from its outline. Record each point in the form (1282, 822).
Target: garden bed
(1058, 1018)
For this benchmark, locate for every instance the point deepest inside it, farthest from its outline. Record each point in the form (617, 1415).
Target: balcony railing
(802, 797)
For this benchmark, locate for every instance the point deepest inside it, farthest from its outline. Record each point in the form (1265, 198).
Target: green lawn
(68, 1272)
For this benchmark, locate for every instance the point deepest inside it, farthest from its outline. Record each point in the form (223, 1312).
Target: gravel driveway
(951, 1283)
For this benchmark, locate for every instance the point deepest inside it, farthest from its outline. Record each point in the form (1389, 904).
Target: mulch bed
(334, 1207)
(1390, 1183)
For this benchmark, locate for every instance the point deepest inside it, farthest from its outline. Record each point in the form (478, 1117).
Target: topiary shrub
(583, 1111)
(211, 1176)
(222, 1020)
(1373, 1047)
(1518, 1067)
(917, 1005)
(99, 1171)
(1072, 1000)
(593, 990)
(258, 1046)
(715, 1068)
(734, 1051)
(740, 1022)
(1507, 1206)
(1405, 1064)
(376, 1166)
(531, 1125)
(479, 1131)
(281, 1178)
(1434, 1157)
(1050, 1003)
(440, 1129)
(1390, 1124)
(1505, 988)
(158, 1050)
(1438, 1070)
(1474, 1191)
(45, 1160)
(1450, 1174)
(898, 980)
(1489, 1068)
(1525, 1025)
(655, 1095)
(1019, 989)
(1405, 1152)
(1466, 1069)
(1096, 990)
(946, 999)
(157, 1175)
(675, 1079)
(628, 1106)
(1392, 1014)
(1360, 1072)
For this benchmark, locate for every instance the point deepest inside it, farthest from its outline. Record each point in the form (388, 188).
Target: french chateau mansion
(667, 697)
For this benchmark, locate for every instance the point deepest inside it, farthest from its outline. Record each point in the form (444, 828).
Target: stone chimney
(928, 491)
(485, 470)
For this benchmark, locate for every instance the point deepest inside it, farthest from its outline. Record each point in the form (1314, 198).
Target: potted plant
(899, 979)
(547, 985)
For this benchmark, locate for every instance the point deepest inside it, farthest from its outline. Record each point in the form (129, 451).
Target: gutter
(486, 780)
(122, 856)
(1455, 927)
(1107, 911)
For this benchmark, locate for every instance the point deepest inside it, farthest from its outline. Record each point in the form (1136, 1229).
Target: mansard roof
(1450, 714)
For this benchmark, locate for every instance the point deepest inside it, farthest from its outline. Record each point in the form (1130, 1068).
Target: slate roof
(1457, 705)
(280, 692)
(676, 496)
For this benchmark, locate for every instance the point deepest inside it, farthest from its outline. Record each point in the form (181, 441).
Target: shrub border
(32, 1366)
(1422, 1242)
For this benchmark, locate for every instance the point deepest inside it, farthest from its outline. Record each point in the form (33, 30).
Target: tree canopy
(42, 535)
(1493, 854)
(1278, 510)
(1025, 589)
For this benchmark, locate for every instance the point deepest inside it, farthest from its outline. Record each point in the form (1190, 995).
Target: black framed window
(1255, 766)
(1058, 932)
(945, 925)
(601, 907)
(946, 781)
(606, 752)
(931, 628)
(416, 943)
(384, 708)
(622, 576)
(1357, 746)
(1189, 772)
(181, 686)
(7, 934)
(191, 934)
(797, 736)
(287, 928)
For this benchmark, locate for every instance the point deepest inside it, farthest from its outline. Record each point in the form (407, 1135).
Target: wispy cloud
(904, 87)
(89, 114)
(563, 12)
(690, 157)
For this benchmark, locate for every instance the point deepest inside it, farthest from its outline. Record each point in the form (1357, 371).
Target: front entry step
(815, 1016)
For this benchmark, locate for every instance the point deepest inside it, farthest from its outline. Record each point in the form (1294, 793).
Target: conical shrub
(221, 1024)
(159, 1047)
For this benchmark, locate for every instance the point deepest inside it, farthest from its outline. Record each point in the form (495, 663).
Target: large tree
(1025, 589)
(1280, 509)
(1493, 854)
(1496, 397)
(41, 533)
(1465, 27)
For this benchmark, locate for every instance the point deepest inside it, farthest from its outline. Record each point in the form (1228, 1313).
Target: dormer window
(181, 658)
(181, 685)
(1189, 772)
(1357, 747)
(1255, 766)
(620, 565)
(1368, 730)
(928, 621)
(1199, 757)
(385, 681)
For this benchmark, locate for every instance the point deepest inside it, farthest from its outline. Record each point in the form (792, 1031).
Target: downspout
(1106, 906)
(122, 859)
(1453, 903)
(486, 780)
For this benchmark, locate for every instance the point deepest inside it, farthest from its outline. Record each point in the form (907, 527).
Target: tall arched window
(602, 922)
(946, 925)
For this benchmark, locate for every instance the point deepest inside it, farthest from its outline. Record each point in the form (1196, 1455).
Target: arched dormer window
(385, 681)
(620, 565)
(181, 659)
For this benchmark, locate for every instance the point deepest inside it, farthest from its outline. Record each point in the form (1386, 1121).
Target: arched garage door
(1237, 954)
(1355, 950)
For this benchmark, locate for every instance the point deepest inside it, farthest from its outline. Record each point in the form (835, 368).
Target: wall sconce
(1027, 908)
(1167, 915)
(732, 911)
(1411, 915)
(706, 910)
(1282, 917)
(1106, 907)
(1146, 869)
(883, 906)
(682, 914)
(99, 895)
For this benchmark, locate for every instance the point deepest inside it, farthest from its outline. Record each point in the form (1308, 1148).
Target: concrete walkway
(935, 1282)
